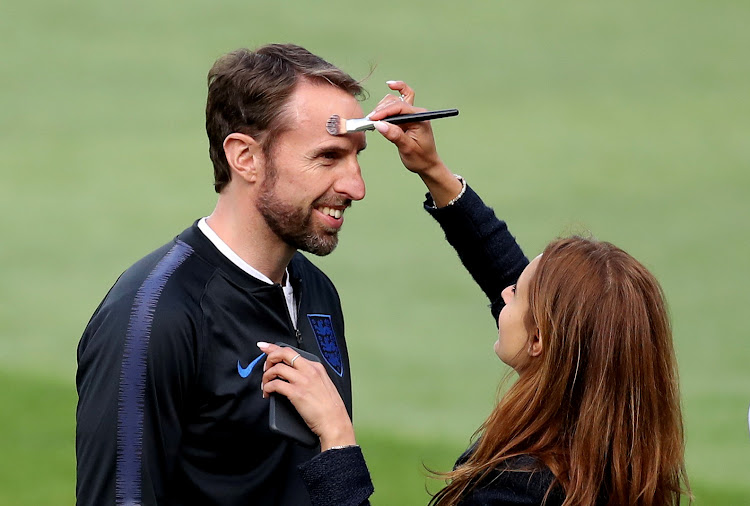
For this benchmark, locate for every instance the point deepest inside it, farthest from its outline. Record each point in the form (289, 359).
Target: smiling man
(170, 409)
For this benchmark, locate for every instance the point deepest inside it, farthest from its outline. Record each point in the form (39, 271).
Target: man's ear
(243, 155)
(536, 346)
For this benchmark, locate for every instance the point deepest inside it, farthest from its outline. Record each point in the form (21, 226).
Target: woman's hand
(307, 386)
(415, 143)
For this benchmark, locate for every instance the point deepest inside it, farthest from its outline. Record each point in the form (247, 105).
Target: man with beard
(170, 409)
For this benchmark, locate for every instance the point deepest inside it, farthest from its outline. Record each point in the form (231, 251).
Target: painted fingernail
(392, 82)
(262, 345)
(381, 126)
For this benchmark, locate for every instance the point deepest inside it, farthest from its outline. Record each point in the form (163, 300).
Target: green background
(630, 120)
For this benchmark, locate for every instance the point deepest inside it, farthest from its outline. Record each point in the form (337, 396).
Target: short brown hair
(247, 92)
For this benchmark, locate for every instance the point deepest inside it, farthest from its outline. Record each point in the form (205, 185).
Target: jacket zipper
(295, 329)
(298, 296)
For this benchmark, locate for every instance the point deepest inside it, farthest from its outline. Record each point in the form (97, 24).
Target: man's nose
(350, 183)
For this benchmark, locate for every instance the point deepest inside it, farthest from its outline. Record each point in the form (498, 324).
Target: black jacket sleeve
(132, 387)
(483, 243)
(338, 478)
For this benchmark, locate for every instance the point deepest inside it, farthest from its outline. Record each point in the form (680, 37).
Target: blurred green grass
(628, 120)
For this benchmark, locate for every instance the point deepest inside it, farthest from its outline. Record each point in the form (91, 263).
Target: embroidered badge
(322, 327)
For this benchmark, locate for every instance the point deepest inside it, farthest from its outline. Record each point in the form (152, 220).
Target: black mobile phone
(284, 419)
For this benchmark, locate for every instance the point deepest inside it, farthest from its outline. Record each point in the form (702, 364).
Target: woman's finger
(305, 377)
(391, 105)
(406, 93)
(286, 374)
(284, 388)
(277, 354)
(394, 134)
(394, 108)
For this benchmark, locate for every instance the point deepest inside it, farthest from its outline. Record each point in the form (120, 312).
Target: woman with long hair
(594, 417)
(595, 409)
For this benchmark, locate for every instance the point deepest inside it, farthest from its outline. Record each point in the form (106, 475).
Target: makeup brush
(337, 125)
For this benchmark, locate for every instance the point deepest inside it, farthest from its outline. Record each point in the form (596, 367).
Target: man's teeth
(336, 213)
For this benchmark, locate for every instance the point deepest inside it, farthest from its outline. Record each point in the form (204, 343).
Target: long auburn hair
(600, 407)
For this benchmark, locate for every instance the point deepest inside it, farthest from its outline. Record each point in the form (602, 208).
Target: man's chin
(320, 245)
(322, 253)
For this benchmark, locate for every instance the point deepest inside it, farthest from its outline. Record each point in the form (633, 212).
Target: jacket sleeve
(483, 243)
(338, 478)
(133, 382)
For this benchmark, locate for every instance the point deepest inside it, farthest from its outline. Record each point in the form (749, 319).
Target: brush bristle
(332, 126)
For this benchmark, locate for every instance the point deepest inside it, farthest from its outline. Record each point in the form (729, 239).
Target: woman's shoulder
(518, 480)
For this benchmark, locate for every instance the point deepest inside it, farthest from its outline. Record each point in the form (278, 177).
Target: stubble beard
(292, 224)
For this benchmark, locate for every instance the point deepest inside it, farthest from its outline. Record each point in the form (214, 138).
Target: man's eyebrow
(337, 148)
(327, 148)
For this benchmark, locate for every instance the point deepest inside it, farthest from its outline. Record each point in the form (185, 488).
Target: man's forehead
(309, 109)
(316, 102)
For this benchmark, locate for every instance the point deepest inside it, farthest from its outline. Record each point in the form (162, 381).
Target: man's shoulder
(171, 272)
(160, 293)
(163, 264)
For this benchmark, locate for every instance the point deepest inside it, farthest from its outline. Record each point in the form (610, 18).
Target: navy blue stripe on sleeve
(133, 376)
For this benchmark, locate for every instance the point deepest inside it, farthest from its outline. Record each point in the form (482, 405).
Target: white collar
(235, 258)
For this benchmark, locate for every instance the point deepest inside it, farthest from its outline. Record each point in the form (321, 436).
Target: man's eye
(330, 155)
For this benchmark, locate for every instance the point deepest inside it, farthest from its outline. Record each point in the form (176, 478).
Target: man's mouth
(330, 211)
(333, 213)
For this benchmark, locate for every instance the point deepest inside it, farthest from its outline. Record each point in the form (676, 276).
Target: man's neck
(245, 231)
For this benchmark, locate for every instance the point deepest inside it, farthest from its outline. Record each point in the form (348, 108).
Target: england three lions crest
(322, 327)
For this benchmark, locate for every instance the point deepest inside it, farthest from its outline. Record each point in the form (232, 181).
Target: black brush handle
(420, 116)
